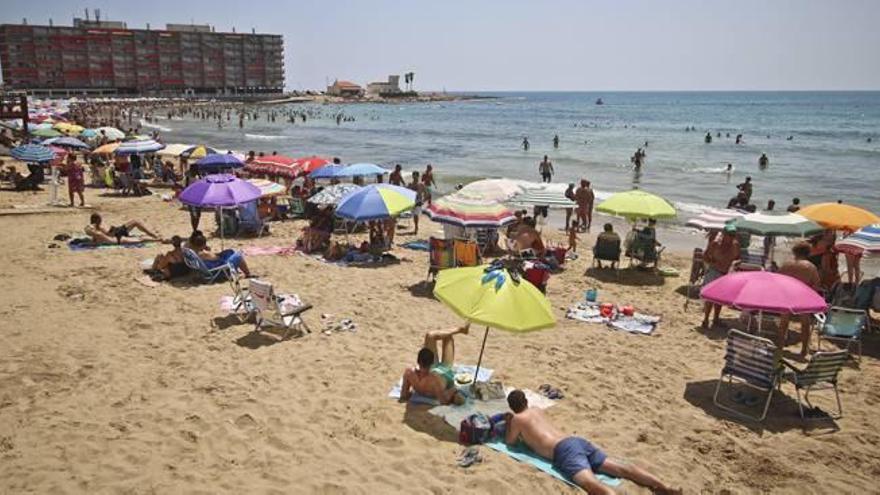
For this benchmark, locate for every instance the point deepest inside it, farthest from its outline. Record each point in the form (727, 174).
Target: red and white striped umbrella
(277, 165)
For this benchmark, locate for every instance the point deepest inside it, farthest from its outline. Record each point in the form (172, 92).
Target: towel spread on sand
(524, 454)
(416, 245)
(637, 323)
(453, 415)
(87, 245)
(268, 250)
(485, 376)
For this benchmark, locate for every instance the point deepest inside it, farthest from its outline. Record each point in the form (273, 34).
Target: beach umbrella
(219, 190)
(713, 219)
(376, 201)
(69, 128)
(491, 296)
(138, 147)
(60, 154)
(46, 133)
(360, 169)
(88, 133)
(552, 198)
(112, 133)
(326, 172)
(32, 153)
(462, 211)
(217, 162)
(175, 149)
(863, 241)
(42, 125)
(197, 152)
(839, 216)
(279, 165)
(66, 141)
(786, 225)
(106, 149)
(331, 195)
(309, 164)
(492, 189)
(267, 187)
(637, 204)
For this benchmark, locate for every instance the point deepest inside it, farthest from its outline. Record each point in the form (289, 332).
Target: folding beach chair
(644, 251)
(819, 374)
(209, 275)
(607, 250)
(465, 252)
(440, 255)
(270, 310)
(249, 220)
(844, 326)
(297, 207)
(753, 361)
(755, 259)
(241, 297)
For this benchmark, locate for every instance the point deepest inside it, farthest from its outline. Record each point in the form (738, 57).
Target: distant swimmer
(525, 143)
(795, 205)
(790, 138)
(708, 138)
(739, 139)
(718, 134)
(546, 169)
(868, 140)
(763, 161)
(746, 189)
(729, 171)
(556, 141)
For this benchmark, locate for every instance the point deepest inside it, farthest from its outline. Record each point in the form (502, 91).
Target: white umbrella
(492, 189)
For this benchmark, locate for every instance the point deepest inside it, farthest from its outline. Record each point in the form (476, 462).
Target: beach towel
(416, 245)
(524, 454)
(88, 245)
(485, 376)
(453, 414)
(268, 250)
(637, 323)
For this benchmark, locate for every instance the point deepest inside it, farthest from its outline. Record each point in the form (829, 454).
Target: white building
(390, 87)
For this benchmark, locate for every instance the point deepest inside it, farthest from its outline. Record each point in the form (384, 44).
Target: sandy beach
(110, 386)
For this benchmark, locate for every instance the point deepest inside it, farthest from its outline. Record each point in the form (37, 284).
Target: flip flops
(469, 457)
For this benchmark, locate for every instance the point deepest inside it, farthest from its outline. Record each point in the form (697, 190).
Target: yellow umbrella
(106, 149)
(199, 152)
(637, 204)
(491, 296)
(839, 216)
(69, 128)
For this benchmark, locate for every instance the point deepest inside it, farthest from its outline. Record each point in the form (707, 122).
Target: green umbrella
(788, 225)
(637, 204)
(46, 133)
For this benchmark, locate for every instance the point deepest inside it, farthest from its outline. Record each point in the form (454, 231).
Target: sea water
(827, 158)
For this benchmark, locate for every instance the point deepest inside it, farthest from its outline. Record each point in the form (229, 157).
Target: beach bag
(475, 429)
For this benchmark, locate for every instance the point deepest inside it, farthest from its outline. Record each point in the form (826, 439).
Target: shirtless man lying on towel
(574, 457)
(117, 235)
(434, 377)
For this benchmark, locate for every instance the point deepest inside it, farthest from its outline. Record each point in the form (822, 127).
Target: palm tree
(412, 77)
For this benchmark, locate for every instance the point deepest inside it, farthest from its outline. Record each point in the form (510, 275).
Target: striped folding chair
(271, 311)
(819, 374)
(753, 361)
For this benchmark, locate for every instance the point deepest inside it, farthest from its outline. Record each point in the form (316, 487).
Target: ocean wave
(263, 137)
(707, 170)
(148, 125)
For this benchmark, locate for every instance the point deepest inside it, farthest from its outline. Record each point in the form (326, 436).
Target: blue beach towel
(524, 454)
(90, 246)
(416, 245)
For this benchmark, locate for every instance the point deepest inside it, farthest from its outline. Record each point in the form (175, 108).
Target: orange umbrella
(106, 149)
(839, 216)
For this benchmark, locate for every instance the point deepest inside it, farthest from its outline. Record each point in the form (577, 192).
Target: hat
(730, 229)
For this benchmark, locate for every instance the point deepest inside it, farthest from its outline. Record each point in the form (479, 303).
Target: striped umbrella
(138, 147)
(462, 211)
(788, 225)
(33, 153)
(375, 202)
(492, 189)
(278, 165)
(309, 164)
(267, 187)
(714, 219)
(331, 195)
(864, 241)
(552, 198)
(69, 142)
(175, 149)
(199, 152)
(112, 133)
(839, 216)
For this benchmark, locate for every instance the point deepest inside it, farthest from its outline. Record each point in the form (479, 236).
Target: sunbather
(171, 264)
(199, 244)
(434, 377)
(574, 457)
(119, 234)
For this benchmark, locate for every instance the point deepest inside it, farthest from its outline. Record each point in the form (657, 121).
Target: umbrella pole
(220, 212)
(480, 359)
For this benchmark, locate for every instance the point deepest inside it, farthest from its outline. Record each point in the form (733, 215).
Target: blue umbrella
(138, 147)
(361, 169)
(326, 172)
(69, 142)
(89, 133)
(33, 153)
(218, 162)
(376, 201)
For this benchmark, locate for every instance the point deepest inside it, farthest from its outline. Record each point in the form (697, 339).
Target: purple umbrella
(218, 191)
(218, 162)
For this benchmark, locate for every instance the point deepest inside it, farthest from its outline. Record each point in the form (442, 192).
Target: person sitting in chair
(199, 244)
(118, 234)
(434, 377)
(607, 246)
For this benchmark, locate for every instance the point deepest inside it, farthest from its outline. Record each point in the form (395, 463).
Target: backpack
(475, 429)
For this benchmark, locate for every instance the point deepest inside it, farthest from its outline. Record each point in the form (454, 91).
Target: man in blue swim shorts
(574, 457)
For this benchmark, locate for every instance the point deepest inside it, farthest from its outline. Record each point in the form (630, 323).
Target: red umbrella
(278, 165)
(309, 164)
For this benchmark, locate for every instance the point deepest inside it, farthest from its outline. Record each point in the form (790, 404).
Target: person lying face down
(434, 377)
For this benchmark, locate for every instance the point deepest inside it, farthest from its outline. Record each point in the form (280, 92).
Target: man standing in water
(525, 143)
(763, 161)
(546, 169)
(556, 141)
(584, 198)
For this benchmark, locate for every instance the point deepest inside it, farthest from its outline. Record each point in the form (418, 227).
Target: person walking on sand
(546, 169)
(75, 181)
(574, 457)
(434, 376)
(430, 183)
(584, 197)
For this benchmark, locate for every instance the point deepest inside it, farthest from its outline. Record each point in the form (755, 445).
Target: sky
(558, 45)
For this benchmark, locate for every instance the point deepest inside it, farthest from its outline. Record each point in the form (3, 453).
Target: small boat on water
(599, 101)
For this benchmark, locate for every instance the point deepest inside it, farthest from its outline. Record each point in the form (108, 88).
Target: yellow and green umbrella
(46, 133)
(839, 216)
(492, 296)
(376, 201)
(69, 128)
(637, 204)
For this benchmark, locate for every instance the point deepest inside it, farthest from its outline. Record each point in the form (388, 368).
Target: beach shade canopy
(176, 149)
(112, 133)
(787, 225)
(491, 189)
(308, 164)
(863, 241)
(138, 147)
(218, 191)
(67, 142)
(714, 219)
(267, 187)
(360, 169)
(839, 216)
(327, 171)
(332, 195)
(552, 198)
(462, 211)
(375, 202)
(764, 291)
(490, 296)
(279, 165)
(106, 149)
(33, 153)
(46, 133)
(637, 204)
(217, 162)
(196, 152)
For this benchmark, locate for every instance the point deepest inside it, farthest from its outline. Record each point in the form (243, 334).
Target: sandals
(469, 457)
(551, 392)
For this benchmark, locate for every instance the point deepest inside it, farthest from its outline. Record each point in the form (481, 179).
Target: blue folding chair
(844, 326)
(209, 275)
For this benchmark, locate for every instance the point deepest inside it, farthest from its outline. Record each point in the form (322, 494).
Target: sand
(111, 386)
